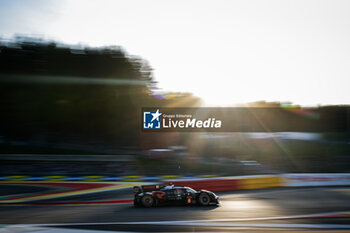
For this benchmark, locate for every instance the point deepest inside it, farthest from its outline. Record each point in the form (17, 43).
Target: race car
(156, 195)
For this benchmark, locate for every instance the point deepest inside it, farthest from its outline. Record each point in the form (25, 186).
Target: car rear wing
(147, 188)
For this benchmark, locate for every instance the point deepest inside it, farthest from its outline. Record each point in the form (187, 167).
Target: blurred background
(74, 76)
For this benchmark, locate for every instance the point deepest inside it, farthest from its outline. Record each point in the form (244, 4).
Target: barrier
(208, 182)
(303, 180)
(232, 183)
(215, 185)
(259, 182)
(131, 178)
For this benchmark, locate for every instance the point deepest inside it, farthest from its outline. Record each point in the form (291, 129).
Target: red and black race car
(156, 195)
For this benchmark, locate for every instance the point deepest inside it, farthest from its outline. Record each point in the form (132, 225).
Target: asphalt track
(325, 209)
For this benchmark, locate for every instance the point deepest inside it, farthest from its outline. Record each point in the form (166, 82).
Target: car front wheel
(204, 199)
(147, 201)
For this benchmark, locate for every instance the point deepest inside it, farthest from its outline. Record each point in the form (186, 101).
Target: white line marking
(217, 222)
(266, 225)
(210, 224)
(275, 218)
(9, 229)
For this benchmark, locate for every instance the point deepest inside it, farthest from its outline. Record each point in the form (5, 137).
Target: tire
(147, 201)
(136, 203)
(204, 199)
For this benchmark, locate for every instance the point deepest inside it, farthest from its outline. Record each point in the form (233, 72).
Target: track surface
(238, 212)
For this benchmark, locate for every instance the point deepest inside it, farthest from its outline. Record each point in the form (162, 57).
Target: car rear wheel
(136, 203)
(204, 199)
(147, 201)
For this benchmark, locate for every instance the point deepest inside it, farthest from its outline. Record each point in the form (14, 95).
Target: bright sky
(223, 51)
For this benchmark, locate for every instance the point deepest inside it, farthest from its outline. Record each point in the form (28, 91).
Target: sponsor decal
(189, 200)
